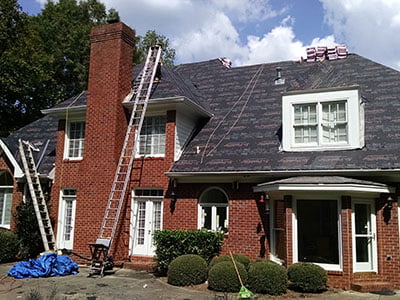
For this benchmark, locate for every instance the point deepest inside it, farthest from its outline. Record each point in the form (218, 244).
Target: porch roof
(323, 183)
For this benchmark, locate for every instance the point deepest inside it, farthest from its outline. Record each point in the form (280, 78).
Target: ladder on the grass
(122, 175)
(38, 200)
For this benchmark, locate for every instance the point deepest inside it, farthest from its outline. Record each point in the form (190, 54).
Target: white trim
(374, 251)
(17, 170)
(328, 267)
(346, 187)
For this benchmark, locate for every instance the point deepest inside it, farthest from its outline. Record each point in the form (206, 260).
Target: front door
(146, 220)
(364, 237)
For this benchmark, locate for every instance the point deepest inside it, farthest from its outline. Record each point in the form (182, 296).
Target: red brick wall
(247, 218)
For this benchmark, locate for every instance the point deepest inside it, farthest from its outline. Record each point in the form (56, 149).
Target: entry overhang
(324, 183)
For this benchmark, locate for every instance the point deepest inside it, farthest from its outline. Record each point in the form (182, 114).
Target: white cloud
(370, 28)
(207, 29)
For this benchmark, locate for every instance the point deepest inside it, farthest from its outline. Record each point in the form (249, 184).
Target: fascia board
(17, 170)
(325, 187)
(173, 103)
(61, 112)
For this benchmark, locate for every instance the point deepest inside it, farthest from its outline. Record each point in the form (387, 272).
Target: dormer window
(152, 136)
(322, 120)
(75, 137)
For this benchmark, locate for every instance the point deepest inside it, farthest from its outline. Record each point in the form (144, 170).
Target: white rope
(253, 82)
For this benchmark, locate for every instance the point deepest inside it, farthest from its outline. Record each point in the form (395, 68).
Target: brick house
(303, 165)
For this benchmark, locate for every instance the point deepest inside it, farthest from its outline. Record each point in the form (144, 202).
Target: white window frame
(61, 243)
(153, 154)
(354, 112)
(318, 197)
(81, 141)
(2, 224)
(213, 210)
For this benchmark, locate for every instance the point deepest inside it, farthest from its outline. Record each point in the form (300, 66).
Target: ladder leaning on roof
(35, 189)
(142, 91)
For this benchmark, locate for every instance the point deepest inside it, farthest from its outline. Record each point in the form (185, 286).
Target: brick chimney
(110, 76)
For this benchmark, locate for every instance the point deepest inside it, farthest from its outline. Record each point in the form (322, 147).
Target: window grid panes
(76, 137)
(152, 136)
(141, 222)
(320, 123)
(214, 210)
(69, 196)
(5, 206)
(334, 122)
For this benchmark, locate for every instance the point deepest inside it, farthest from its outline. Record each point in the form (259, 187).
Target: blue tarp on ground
(45, 266)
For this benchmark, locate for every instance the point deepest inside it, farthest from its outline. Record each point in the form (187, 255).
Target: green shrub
(9, 246)
(307, 277)
(187, 269)
(173, 243)
(267, 277)
(241, 258)
(28, 231)
(222, 277)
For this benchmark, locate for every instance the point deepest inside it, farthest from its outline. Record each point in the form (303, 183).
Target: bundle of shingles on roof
(321, 53)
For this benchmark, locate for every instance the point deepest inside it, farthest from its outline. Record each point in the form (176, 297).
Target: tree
(152, 38)
(44, 59)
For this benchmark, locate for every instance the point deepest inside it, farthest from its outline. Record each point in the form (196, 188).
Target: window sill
(5, 226)
(336, 147)
(73, 160)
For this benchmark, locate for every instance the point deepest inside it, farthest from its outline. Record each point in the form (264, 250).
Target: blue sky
(256, 31)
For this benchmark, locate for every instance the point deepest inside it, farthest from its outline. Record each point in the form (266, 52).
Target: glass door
(364, 237)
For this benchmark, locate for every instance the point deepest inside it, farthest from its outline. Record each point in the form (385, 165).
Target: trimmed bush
(9, 246)
(173, 243)
(222, 277)
(267, 277)
(187, 269)
(241, 258)
(307, 277)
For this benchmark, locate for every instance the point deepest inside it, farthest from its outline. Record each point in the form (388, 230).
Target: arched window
(6, 189)
(213, 210)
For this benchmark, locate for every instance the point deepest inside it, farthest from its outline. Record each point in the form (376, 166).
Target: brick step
(148, 266)
(372, 286)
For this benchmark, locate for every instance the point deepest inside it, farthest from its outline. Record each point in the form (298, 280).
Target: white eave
(17, 170)
(173, 103)
(60, 112)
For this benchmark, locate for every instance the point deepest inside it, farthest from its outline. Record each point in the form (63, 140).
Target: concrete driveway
(128, 284)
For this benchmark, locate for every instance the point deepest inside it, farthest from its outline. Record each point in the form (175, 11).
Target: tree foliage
(44, 59)
(152, 38)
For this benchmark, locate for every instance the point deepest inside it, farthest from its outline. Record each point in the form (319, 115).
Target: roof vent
(226, 62)
(279, 80)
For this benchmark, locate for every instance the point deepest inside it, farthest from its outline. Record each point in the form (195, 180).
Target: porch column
(347, 243)
(288, 227)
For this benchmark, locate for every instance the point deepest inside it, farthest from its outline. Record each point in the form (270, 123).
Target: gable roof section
(38, 133)
(248, 138)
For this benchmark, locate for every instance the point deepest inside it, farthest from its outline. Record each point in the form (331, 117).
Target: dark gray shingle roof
(251, 142)
(37, 133)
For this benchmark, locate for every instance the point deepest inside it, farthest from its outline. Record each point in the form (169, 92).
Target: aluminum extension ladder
(141, 91)
(38, 200)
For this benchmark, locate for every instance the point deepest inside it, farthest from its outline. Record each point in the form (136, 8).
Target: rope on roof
(252, 83)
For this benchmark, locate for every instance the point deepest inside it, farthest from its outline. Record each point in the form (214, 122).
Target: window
(317, 232)
(152, 136)
(6, 191)
(213, 210)
(75, 140)
(322, 120)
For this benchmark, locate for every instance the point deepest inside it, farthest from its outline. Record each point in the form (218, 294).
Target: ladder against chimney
(141, 92)
(36, 192)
